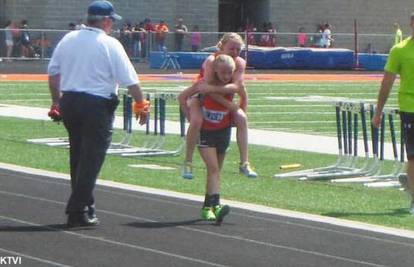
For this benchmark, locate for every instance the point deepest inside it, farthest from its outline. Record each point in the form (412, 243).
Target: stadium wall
(57, 14)
(374, 16)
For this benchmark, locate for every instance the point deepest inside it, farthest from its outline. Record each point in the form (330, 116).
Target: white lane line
(319, 93)
(112, 242)
(175, 203)
(301, 85)
(27, 100)
(26, 95)
(289, 122)
(305, 106)
(33, 258)
(290, 112)
(219, 235)
(241, 205)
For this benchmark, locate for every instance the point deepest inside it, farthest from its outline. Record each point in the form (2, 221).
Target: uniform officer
(84, 73)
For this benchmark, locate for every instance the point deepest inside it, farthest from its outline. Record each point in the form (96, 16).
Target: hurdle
(368, 168)
(157, 148)
(377, 179)
(151, 146)
(345, 161)
(52, 141)
(341, 157)
(123, 145)
(390, 180)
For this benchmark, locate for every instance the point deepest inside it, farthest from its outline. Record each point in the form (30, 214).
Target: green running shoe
(220, 211)
(208, 214)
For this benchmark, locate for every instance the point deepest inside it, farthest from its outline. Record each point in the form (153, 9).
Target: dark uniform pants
(88, 120)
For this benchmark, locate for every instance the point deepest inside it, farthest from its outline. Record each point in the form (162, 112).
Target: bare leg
(9, 51)
(410, 174)
(196, 120)
(209, 156)
(240, 119)
(214, 163)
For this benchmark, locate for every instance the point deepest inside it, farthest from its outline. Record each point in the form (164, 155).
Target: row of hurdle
(154, 142)
(351, 118)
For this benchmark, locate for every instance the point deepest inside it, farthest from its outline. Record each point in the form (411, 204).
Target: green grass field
(350, 201)
(305, 107)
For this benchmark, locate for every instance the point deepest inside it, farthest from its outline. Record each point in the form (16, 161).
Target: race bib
(213, 116)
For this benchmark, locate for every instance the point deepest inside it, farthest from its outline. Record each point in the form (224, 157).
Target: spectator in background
(161, 31)
(327, 36)
(141, 34)
(316, 39)
(79, 25)
(8, 39)
(42, 47)
(135, 42)
(72, 26)
(26, 45)
(250, 35)
(180, 31)
(264, 38)
(149, 28)
(195, 39)
(368, 49)
(148, 25)
(302, 38)
(143, 39)
(272, 34)
(398, 34)
(16, 33)
(125, 37)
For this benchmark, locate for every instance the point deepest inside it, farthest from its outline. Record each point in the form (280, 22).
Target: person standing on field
(84, 73)
(400, 63)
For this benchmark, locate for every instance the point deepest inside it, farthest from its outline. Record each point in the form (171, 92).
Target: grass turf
(279, 106)
(387, 207)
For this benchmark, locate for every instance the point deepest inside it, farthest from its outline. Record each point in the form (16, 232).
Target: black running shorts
(407, 121)
(220, 139)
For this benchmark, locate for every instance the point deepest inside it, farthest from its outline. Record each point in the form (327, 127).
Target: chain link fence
(138, 45)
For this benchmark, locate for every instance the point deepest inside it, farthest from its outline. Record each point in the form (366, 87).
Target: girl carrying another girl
(230, 44)
(214, 134)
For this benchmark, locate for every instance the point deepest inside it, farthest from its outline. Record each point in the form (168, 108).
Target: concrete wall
(56, 14)
(374, 16)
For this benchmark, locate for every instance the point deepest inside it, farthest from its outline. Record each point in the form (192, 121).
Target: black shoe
(80, 220)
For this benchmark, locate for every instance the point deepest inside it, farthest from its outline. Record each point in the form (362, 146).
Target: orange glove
(141, 109)
(54, 113)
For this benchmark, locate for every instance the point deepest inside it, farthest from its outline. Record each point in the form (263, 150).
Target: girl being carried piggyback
(214, 135)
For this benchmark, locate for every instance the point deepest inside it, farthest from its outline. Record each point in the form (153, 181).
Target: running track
(146, 229)
(257, 77)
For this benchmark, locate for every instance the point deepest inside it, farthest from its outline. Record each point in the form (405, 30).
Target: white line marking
(300, 84)
(192, 206)
(241, 205)
(113, 242)
(290, 122)
(34, 258)
(26, 100)
(233, 213)
(306, 107)
(220, 235)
